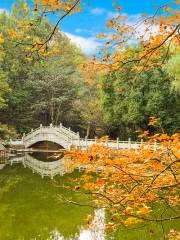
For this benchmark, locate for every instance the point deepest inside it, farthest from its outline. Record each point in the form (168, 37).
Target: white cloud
(112, 14)
(78, 30)
(4, 10)
(97, 11)
(87, 45)
(136, 19)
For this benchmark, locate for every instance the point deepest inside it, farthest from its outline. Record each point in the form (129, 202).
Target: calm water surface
(34, 208)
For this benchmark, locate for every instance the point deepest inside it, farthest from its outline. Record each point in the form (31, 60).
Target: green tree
(4, 86)
(129, 100)
(173, 69)
(29, 102)
(89, 106)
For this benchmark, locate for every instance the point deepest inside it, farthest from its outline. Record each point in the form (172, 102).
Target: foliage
(4, 86)
(90, 107)
(173, 69)
(37, 54)
(30, 20)
(28, 78)
(155, 34)
(7, 132)
(16, 68)
(57, 83)
(129, 99)
(131, 183)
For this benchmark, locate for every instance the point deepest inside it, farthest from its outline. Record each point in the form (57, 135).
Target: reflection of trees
(29, 207)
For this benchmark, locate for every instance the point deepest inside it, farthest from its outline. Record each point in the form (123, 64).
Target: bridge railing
(84, 143)
(16, 142)
(63, 130)
(68, 133)
(68, 130)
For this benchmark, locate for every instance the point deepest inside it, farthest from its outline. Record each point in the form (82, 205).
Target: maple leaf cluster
(131, 183)
(157, 37)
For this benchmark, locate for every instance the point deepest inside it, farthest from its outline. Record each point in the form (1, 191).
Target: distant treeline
(52, 90)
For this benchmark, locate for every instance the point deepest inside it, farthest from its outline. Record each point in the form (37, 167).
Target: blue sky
(83, 27)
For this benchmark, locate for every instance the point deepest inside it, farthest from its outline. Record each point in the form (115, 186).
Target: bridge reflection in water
(95, 229)
(49, 169)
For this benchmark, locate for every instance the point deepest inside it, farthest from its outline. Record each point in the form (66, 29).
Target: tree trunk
(88, 130)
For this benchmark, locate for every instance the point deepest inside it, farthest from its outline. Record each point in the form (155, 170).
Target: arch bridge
(66, 138)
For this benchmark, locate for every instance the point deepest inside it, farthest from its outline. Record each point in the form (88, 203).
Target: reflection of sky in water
(94, 232)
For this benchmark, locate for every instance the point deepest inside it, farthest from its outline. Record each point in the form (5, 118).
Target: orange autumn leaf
(12, 33)
(119, 8)
(144, 210)
(138, 177)
(114, 3)
(168, 9)
(108, 228)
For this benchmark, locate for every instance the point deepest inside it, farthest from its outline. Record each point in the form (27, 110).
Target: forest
(52, 89)
(92, 181)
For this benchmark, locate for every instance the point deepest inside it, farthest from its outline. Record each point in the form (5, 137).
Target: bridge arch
(59, 135)
(35, 141)
(50, 145)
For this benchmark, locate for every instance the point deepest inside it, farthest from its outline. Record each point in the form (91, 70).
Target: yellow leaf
(168, 9)
(114, 4)
(171, 18)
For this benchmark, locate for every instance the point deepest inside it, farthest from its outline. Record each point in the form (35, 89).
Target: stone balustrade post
(95, 139)
(51, 125)
(60, 125)
(129, 143)
(155, 145)
(86, 142)
(71, 141)
(141, 141)
(117, 141)
(78, 139)
(23, 136)
(41, 126)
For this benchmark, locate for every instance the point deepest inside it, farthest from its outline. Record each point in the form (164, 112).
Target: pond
(35, 206)
(32, 207)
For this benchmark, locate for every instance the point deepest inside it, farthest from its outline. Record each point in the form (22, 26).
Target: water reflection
(30, 207)
(44, 168)
(95, 231)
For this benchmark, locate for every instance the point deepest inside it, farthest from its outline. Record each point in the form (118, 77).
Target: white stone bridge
(66, 138)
